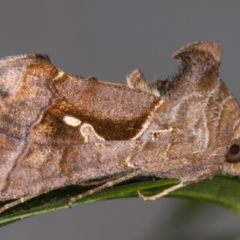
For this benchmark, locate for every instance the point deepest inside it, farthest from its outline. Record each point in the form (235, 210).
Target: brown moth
(57, 129)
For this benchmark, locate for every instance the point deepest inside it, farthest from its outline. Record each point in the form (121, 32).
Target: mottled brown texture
(175, 128)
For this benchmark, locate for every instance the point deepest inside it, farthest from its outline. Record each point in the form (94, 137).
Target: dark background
(109, 39)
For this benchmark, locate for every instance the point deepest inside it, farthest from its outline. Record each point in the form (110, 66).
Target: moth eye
(233, 155)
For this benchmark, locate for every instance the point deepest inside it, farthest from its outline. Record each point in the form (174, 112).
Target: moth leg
(104, 186)
(16, 202)
(163, 193)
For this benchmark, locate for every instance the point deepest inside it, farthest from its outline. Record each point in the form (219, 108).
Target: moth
(58, 129)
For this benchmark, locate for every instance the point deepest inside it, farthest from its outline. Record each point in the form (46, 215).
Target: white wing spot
(71, 121)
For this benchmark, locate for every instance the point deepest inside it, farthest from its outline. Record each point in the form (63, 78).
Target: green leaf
(224, 191)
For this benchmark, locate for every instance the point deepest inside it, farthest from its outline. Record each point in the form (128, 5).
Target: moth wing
(20, 109)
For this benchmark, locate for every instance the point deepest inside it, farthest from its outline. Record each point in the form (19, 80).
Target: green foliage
(224, 191)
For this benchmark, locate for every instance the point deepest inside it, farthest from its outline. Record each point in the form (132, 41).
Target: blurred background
(109, 39)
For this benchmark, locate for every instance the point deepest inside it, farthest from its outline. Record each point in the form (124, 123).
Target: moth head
(233, 154)
(231, 165)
